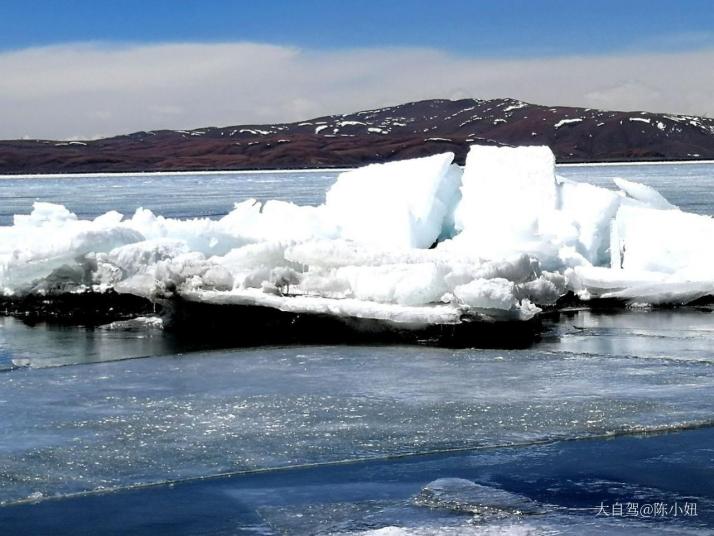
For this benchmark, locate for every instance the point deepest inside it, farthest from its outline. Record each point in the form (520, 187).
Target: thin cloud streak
(92, 90)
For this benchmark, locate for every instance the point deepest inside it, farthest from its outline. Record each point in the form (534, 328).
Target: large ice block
(398, 204)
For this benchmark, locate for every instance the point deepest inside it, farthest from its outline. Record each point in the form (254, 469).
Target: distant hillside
(396, 132)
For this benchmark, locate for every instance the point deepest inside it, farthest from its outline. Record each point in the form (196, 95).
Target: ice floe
(466, 497)
(399, 204)
(419, 240)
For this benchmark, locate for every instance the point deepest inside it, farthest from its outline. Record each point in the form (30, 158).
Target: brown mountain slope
(407, 130)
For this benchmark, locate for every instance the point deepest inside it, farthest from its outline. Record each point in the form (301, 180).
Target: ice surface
(346, 307)
(69, 429)
(120, 424)
(643, 193)
(399, 204)
(504, 192)
(589, 210)
(510, 234)
(657, 256)
(668, 241)
(512, 202)
(464, 496)
(497, 293)
(52, 237)
(562, 483)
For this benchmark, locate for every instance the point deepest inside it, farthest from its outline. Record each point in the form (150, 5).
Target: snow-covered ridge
(458, 117)
(416, 241)
(392, 133)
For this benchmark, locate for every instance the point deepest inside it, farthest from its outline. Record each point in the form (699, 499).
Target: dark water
(325, 440)
(570, 485)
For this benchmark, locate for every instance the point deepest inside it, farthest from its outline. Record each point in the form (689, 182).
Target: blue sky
(476, 28)
(85, 69)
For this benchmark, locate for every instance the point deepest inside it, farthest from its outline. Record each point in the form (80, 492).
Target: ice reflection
(678, 334)
(46, 345)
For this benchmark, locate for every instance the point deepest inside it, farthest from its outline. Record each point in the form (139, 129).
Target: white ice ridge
(411, 241)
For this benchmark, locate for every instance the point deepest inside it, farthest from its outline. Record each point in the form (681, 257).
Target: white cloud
(628, 95)
(88, 90)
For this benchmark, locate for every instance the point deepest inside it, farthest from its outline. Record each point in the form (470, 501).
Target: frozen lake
(212, 194)
(338, 439)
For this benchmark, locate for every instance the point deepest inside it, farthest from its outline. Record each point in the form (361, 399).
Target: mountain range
(384, 134)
